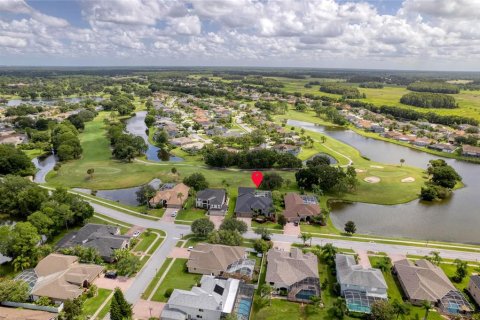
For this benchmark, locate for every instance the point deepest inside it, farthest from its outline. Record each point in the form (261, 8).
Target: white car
(136, 234)
(174, 213)
(190, 248)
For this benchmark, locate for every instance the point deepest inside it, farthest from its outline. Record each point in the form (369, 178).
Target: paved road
(175, 231)
(145, 276)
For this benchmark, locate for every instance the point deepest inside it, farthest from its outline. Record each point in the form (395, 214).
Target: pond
(17, 102)
(136, 125)
(456, 219)
(330, 157)
(125, 196)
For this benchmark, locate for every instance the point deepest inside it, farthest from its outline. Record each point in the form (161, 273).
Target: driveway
(363, 259)
(144, 310)
(248, 221)
(132, 230)
(167, 216)
(217, 220)
(291, 230)
(281, 245)
(121, 282)
(181, 253)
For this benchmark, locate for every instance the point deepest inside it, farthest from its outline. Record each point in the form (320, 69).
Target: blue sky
(387, 34)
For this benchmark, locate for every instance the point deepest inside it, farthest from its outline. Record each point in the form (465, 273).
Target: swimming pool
(243, 308)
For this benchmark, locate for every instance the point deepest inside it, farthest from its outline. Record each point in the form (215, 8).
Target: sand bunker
(359, 170)
(378, 167)
(409, 179)
(372, 179)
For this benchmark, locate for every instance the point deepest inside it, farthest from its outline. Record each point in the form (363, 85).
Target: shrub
(168, 292)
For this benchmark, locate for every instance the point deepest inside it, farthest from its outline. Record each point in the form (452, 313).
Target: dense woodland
(346, 91)
(429, 100)
(434, 87)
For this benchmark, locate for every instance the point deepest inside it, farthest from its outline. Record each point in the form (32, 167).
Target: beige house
(293, 273)
(300, 207)
(25, 314)
(474, 288)
(423, 281)
(60, 277)
(216, 259)
(173, 197)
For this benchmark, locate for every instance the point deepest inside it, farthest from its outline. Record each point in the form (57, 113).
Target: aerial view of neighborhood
(237, 160)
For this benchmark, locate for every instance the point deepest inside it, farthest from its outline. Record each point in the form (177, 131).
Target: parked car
(111, 274)
(136, 234)
(174, 213)
(190, 248)
(295, 223)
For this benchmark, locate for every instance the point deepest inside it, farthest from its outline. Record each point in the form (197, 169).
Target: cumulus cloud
(241, 31)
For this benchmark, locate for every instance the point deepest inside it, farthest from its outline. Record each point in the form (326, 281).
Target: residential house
(474, 288)
(443, 147)
(421, 142)
(213, 200)
(287, 148)
(193, 146)
(214, 299)
(391, 134)
(181, 141)
(424, 281)
(104, 238)
(300, 207)
(251, 202)
(25, 314)
(377, 128)
(170, 196)
(218, 260)
(470, 151)
(293, 273)
(360, 286)
(12, 137)
(60, 277)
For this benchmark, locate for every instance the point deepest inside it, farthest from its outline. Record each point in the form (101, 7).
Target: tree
(325, 176)
(22, 241)
(127, 262)
(14, 290)
(400, 308)
(402, 161)
(145, 193)
(226, 237)
(281, 220)
(461, 271)
(20, 197)
(382, 310)
(196, 181)
(271, 181)
(328, 252)
(266, 292)
(350, 227)
(14, 161)
(71, 309)
(41, 222)
(233, 224)
(261, 245)
(123, 308)
(434, 258)
(180, 196)
(305, 237)
(318, 160)
(426, 305)
(384, 264)
(264, 233)
(202, 227)
(90, 172)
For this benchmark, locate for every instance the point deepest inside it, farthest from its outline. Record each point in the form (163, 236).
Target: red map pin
(257, 178)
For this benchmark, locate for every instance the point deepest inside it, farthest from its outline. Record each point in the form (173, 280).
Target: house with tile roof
(171, 196)
(300, 207)
(293, 273)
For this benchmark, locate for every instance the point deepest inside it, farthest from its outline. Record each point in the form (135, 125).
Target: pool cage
(244, 301)
(29, 276)
(455, 303)
(358, 301)
(244, 267)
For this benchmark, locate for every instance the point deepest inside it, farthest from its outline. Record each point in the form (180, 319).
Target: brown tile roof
(214, 256)
(296, 206)
(470, 149)
(290, 267)
(171, 195)
(61, 277)
(24, 314)
(422, 280)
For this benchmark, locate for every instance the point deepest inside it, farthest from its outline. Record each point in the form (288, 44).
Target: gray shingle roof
(349, 272)
(476, 280)
(214, 196)
(251, 199)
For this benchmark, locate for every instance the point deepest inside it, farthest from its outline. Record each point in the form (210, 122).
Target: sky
(380, 34)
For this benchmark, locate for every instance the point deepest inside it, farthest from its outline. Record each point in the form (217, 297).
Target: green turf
(145, 241)
(91, 305)
(158, 275)
(177, 278)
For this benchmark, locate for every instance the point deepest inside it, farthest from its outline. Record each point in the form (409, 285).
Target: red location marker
(257, 178)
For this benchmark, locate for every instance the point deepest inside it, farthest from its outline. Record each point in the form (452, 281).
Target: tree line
(409, 114)
(125, 146)
(347, 92)
(429, 100)
(434, 87)
(264, 159)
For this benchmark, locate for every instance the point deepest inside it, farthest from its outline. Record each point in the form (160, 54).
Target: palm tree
(266, 292)
(400, 309)
(305, 237)
(180, 196)
(402, 161)
(426, 305)
(21, 263)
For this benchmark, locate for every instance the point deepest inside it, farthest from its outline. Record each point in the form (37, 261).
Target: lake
(456, 219)
(136, 125)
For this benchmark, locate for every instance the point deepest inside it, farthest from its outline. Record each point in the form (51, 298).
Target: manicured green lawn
(269, 225)
(177, 278)
(145, 241)
(153, 283)
(91, 305)
(34, 153)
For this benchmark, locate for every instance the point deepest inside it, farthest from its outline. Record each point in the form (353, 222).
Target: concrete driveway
(167, 216)
(217, 220)
(181, 253)
(291, 230)
(143, 309)
(121, 282)
(363, 259)
(132, 230)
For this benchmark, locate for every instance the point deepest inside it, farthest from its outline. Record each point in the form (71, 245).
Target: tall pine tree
(120, 309)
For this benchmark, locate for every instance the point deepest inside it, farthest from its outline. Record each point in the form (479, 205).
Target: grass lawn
(177, 278)
(91, 305)
(190, 213)
(33, 153)
(145, 241)
(153, 283)
(268, 225)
